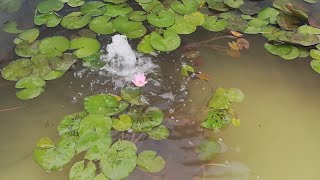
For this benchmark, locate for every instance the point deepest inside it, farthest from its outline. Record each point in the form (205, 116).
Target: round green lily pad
(76, 20)
(315, 65)
(234, 3)
(93, 8)
(144, 46)
(120, 160)
(29, 35)
(315, 54)
(137, 33)
(161, 19)
(99, 148)
(30, 82)
(116, 1)
(29, 93)
(185, 7)
(102, 25)
(84, 46)
(26, 49)
(137, 16)
(150, 162)
(114, 10)
(123, 25)
(53, 75)
(75, 3)
(18, 69)
(70, 124)
(49, 5)
(54, 46)
(62, 63)
(212, 23)
(292, 55)
(146, 121)
(79, 172)
(159, 133)
(49, 19)
(182, 26)
(168, 42)
(11, 27)
(123, 123)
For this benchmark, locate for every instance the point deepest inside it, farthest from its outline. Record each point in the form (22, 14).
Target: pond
(276, 139)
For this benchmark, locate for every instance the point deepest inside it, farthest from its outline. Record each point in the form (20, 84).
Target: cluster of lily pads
(92, 133)
(221, 112)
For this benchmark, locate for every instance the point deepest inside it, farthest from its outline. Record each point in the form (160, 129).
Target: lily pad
(100, 177)
(49, 5)
(137, 33)
(218, 5)
(62, 63)
(269, 14)
(18, 69)
(306, 29)
(123, 123)
(144, 46)
(234, 3)
(159, 133)
(216, 119)
(161, 19)
(212, 23)
(120, 160)
(70, 124)
(93, 8)
(26, 49)
(137, 16)
(131, 95)
(208, 149)
(123, 25)
(151, 6)
(11, 27)
(144, 122)
(29, 35)
(53, 75)
(84, 46)
(256, 22)
(54, 158)
(30, 82)
(114, 10)
(74, 3)
(168, 42)
(287, 52)
(287, 22)
(54, 46)
(185, 7)
(220, 99)
(102, 25)
(196, 18)
(49, 19)
(29, 93)
(99, 148)
(315, 65)
(75, 20)
(95, 124)
(116, 1)
(150, 162)
(79, 172)
(182, 26)
(315, 54)
(104, 104)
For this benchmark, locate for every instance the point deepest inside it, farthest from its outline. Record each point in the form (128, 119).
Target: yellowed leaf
(236, 34)
(233, 45)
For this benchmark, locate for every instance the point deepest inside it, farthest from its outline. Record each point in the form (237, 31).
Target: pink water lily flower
(139, 80)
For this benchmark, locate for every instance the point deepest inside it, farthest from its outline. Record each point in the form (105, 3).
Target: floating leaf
(220, 99)
(137, 33)
(161, 19)
(74, 3)
(30, 82)
(120, 160)
(287, 22)
(123, 25)
(144, 46)
(100, 177)
(114, 10)
(303, 52)
(54, 46)
(79, 172)
(18, 69)
(11, 27)
(25, 49)
(49, 5)
(143, 122)
(185, 7)
(234, 3)
(102, 25)
(315, 54)
(256, 22)
(131, 95)
(54, 158)
(104, 104)
(29, 35)
(70, 124)
(149, 162)
(269, 14)
(315, 65)
(250, 8)
(75, 20)
(49, 19)
(95, 124)
(196, 18)
(84, 46)
(216, 119)
(93, 8)
(159, 133)
(236, 34)
(218, 5)
(99, 148)
(168, 42)
(137, 16)
(287, 52)
(182, 26)
(208, 149)
(306, 29)
(151, 6)
(29, 93)
(116, 1)
(64, 63)
(123, 123)
(53, 75)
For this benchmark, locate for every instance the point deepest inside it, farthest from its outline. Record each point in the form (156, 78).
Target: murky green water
(277, 139)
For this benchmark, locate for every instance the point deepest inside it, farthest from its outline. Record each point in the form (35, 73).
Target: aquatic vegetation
(221, 112)
(208, 149)
(90, 131)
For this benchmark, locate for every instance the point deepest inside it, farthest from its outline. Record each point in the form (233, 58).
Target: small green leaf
(30, 82)
(234, 3)
(102, 25)
(29, 93)
(29, 35)
(315, 64)
(79, 172)
(168, 42)
(163, 18)
(144, 46)
(17, 70)
(306, 29)
(123, 25)
(159, 133)
(186, 69)
(76, 20)
(212, 23)
(49, 19)
(137, 16)
(123, 123)
(149, 162)
(100, 177)
(70, 124)
(49, 5)
(144, 122)
(84, 46)
(11, 27)
(315, 54)
(114, 10)
(54, 46)
(131, 95)
(208, 149)
(93, 8)
(185, 7)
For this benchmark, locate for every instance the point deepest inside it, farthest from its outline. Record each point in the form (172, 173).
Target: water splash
(122, 63)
